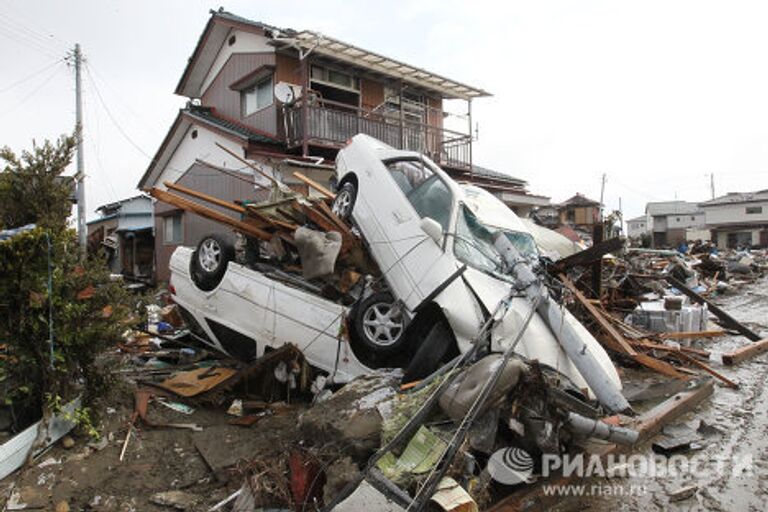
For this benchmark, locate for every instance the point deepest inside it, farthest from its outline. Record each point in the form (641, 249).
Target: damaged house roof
(305, 41)
(579, 200)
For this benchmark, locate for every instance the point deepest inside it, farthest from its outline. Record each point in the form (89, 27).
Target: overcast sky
(655, 94)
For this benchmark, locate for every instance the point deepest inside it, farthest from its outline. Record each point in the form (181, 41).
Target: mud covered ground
(730, 474)
(156, 460)
(730, 471)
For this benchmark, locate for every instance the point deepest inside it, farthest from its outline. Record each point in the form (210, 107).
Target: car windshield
(474, 244)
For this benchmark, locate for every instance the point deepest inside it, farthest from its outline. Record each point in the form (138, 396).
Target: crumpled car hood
(538, 341)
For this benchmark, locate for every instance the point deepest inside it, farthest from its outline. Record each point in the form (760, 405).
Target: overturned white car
(442, 277)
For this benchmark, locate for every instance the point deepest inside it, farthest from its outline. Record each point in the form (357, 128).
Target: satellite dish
(287, 93)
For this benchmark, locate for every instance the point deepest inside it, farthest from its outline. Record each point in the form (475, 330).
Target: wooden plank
(205, 197)
(343, 227)
(208, 213)
(652, 421)
(655, 346)
(596, 268)
(744, 353)
(590, 255)
(616, 340)
(659, 366)
(692, 334)
(728, 382)
(313, 184)
(256, 169)
(271, 220)
(724, 317)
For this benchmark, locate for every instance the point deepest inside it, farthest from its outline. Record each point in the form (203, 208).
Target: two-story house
(580, 212)
(675, 221)
(738, 219)
(288, 100)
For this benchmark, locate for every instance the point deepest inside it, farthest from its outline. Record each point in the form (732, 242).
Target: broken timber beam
(204, 197)
(615, 339)
(745, 353)
(691, 334)
(652, 421)
(590, 255)
(724, 317)
(728, 382)
(313, 184)
(209, 213)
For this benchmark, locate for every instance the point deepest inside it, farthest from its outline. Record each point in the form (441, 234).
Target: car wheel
(210, 260)
(345, 201)
(379, 325)
(438, 346)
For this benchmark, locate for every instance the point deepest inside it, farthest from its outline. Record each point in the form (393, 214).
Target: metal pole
(712, 184)
(469, 121)
(81, 227)
(602, 191)
(305, 106)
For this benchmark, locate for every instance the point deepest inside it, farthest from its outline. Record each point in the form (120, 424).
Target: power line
(30, 76)
(111, 117)
(32, 92)
(18, 20)
(20, 34)
(125, 104)
(25, 42)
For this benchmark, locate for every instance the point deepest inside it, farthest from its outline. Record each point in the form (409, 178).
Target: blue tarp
(10, 233)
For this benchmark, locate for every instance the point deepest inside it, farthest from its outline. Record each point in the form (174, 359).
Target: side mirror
(433, 229)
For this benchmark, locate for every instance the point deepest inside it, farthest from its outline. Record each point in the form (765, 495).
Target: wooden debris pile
(272, 225)
(604, 285)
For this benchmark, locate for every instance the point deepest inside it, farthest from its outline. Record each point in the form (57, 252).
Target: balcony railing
(332, 124)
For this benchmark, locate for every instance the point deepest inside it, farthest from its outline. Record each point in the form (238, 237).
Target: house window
(256, 97)
(752, 210)
(172, 229)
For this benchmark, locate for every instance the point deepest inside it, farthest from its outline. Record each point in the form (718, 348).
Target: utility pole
(82, 233)
(602, 191)
(712, 184)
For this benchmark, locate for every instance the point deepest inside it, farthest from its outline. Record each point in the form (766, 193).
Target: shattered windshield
(474, 243)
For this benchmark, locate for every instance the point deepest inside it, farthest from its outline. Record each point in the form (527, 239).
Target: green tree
(32, 187)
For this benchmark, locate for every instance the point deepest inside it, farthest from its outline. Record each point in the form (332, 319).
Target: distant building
(738, 219)
(579, 212)
(124, 231)
(674, 221)
(639, 226)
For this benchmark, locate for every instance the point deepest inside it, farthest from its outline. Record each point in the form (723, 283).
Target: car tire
(379, 328)
(438, 346)
(344, 201)
(210, 260)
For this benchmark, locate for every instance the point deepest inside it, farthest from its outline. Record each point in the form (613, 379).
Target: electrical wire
(96, 75)
(112, 117)
(31, 93)
(30, 76)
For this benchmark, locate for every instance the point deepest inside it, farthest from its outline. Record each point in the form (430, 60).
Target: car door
(400, 193)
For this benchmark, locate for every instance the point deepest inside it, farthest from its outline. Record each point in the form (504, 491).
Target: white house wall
(245, 42)
(683, 221)
(736, 213)
(204, 148)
